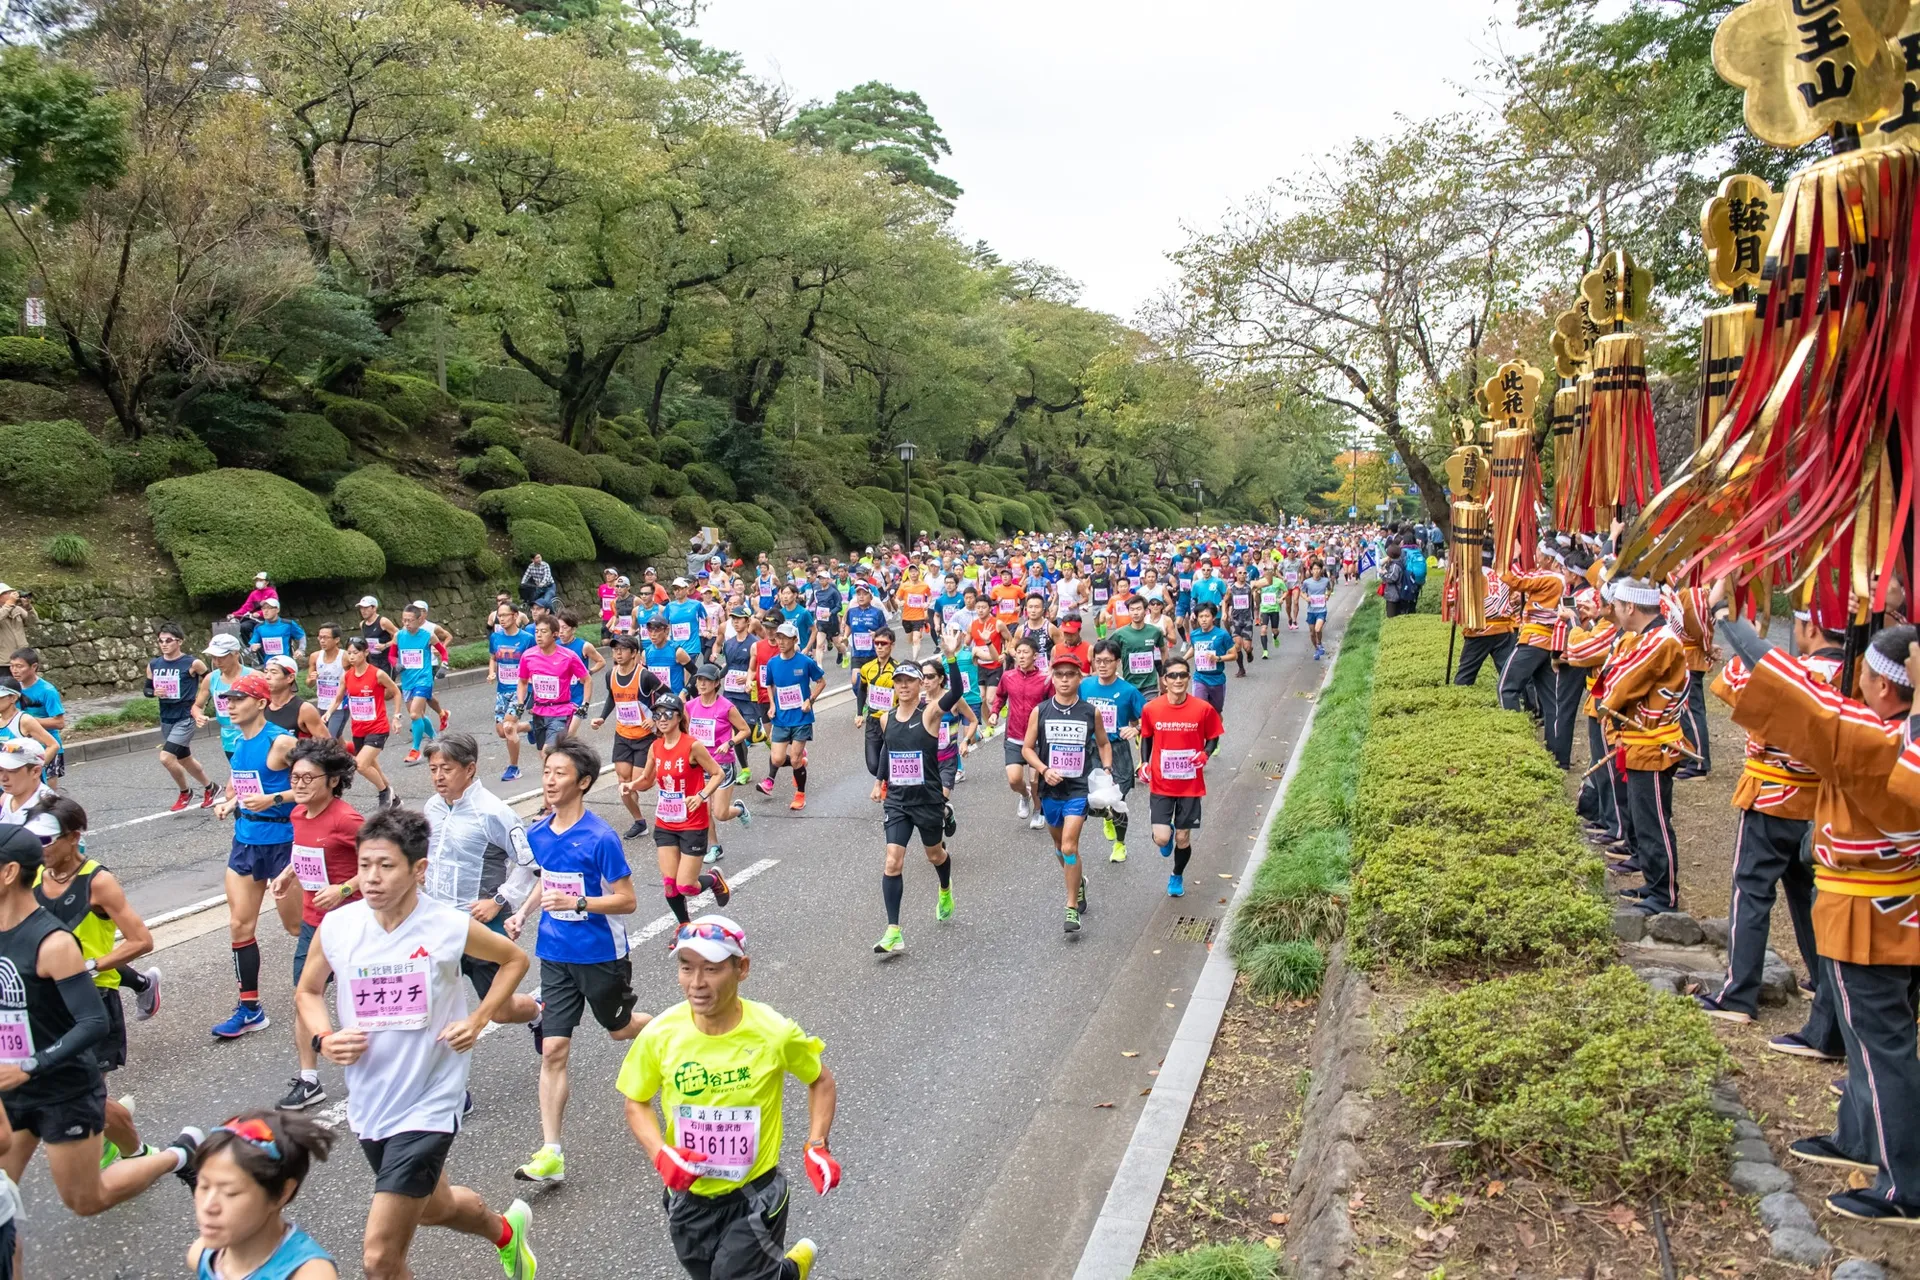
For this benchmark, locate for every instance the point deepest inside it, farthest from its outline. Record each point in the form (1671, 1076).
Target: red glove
(679, 1167)
(1145, 772)
(823, 1171)
(1199, 761)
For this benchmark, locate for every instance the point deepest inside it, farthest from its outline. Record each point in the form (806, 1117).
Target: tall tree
(889, 128)
(59, 136)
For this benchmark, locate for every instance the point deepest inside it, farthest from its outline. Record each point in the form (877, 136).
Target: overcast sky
(1088, 135)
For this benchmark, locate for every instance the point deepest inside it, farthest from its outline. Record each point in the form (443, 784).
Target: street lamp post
(1197, 497)
(906, 450)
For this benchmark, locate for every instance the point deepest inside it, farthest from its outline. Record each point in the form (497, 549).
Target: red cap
(1071, 622)
(251, 687)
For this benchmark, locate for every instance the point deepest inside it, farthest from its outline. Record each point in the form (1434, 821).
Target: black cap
(668, 704)
(17, 844)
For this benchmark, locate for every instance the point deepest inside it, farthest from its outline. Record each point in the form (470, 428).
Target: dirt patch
(1228, 1181)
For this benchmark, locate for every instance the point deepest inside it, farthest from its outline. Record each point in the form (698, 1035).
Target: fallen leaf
(1169, 1004)
(1273, 1242)
(1145, 1092)
(1125, 1053)
(1525, 1232)
(1495, 1187)
(1279, 1219)
(1356, 1200)
(1622, 1215)
(1858, 1180)
(1423, 1235)
(1102, 1106)
(1226, 875)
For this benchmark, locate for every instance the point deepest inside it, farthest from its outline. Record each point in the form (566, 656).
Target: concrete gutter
(1113, 1248)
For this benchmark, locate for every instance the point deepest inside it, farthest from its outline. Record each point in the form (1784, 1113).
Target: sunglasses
(1176, 675)
(712, 933)
(255, 1133)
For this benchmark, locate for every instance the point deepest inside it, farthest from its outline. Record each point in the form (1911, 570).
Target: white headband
(1634, 592)
(1888, 668)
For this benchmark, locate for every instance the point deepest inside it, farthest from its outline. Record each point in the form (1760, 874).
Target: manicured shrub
(562, 536)
(495, 469)
(550, 462)
(156, 457)
(33, 359)
(27, 402)
(709, 480)
(617, 527)
(1040, 503)
(814, 533)
(224, 526)
(668, 483)
(416, 401)
(693, 510)
(68, 549)
(887, 502)
(1013, 516)
(359, 419)
(53, 466)
(677, 452)
(1591, 1078)
(926, 516)
(623, 480)
(474, 410)
(1086, 514)
(489, 563)
(308, 448)
(748, 537)
(415, 527)
(851, 516)
(487, 433)
(970, 519)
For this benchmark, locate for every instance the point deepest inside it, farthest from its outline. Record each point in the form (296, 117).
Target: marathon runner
(688, 778)
(1119, 704)
(173, 680)
(1241, 618)
(275, 636)
(737, 655)
(718, 1065)
(1065, 727)
(505, 644)
(1020, 690)
(413, 651)
(1317, 589)
(1178, 733)
(827, 605)
(326, 672)
(1209, 646)
(260, 803)
(22, 761)
(378, 631)
(718, 726)
(1270, 594)
(404, 1037)
(369, 692)
(794, 682)
(915, 800)
(285, 706)
(872, 702)
(244, 1175)
(547, 674)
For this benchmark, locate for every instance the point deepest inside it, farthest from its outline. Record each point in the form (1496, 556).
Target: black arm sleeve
(1749, 644)
(606, 708)
(956, 687)
(89, 1022)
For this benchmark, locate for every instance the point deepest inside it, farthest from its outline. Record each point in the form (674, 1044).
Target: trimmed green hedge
(497, 468)
(550, 462)
(710, 480)
(749, 538)
(624, 480)
(487, 433)
(53, 466)
(33, 359)
(851, 516)
(359, 419)
(972, 521)
(415, 527)
(416, 401)
(617, 527)
(155, 457)
(307, 448)
(669, 483)
(1589, 1080)
(224, 526)
(27, 402)
(693, 510)
(554, 526)
(887, 502)
(677, 452)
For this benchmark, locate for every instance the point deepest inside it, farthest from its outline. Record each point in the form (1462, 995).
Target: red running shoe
(186, 798)
(208, 800)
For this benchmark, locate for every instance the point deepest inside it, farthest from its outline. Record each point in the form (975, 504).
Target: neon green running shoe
(517, 1258)
(943, 909)
(109, 1152)
(547, 1166)
(890, 941)
(1106, 825)
(1119, 853)
(1073, 920)
(802, 1255)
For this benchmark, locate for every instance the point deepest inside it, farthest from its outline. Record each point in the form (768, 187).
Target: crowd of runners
(1101, 662)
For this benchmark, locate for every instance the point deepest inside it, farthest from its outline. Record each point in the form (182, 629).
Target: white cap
(8, 689)
(285, 663)
(22, 753)
(369, 602)
(711, 938)
(679, 582)
(222, 645)
(262, 576)
(270, 600)
(421, 605)
(4, 588)
(787, 629)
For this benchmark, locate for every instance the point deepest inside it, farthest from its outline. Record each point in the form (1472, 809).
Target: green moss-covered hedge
(971, 520)
(415, 527)
(856, 520)
(668, 483)
(617, 528)
(53, 466)
(693, 510)
(29, 402)
(550, 462)
(749, 537)
(487, 432)
(709, 480)
(416, 401)
(307, 448)
(497, 468)
(624, 480)
(677, 451)
(359, 419)
(887, 501)
(1589, 1078)
(157, 456)
(553, 525)
(33, 359)
(224, 526)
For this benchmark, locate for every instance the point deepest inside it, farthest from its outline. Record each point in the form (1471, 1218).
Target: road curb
(1113, 1248)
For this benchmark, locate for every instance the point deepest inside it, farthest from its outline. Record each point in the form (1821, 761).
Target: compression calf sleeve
(675, 903)
(800, 778)
(944, 869)
(132, 979)
(246, 971)
(419, 728)
(892, 888)
(1181, 853)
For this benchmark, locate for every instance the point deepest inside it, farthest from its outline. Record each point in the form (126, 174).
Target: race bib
(1008, 608)
(413, 659)
(906, 769)
(166, 684)
(629, 714)
(509, 670)
(679, 631)
(309, 868)
(787, 697)
(735, 682)
(16, 1037)
(703, 729)
(1316, 601)
(1241, 600)
(365, 710)
(916, 601)
(1140, 662)
(328, 687)
(1100, 594)
(1178, 764)
(1067, 761)
(1109, 717)
(663, 674)
(622, 623)
(822, 612)
(220, 705)
(390, 997)
(726, 1138)
(671, 807)
(880, 698)
(245, 782)
(1269, 602)
(863, 642)
(1205, 660)
(946, 735)
(571, 883)
(545, 688)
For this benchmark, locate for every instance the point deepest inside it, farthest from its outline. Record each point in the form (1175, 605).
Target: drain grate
(1193, 929)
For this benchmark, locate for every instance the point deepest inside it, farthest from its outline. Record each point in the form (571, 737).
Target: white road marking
(152, 817)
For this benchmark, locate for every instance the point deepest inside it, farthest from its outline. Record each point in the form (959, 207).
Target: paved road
(974, 1070)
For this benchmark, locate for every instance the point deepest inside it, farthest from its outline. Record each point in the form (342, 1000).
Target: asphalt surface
(986, 1094)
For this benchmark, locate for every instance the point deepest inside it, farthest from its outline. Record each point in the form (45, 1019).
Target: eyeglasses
(255, 1133)
(712, 933)
(1176, 675)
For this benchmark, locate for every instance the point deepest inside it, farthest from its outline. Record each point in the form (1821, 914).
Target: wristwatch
(581, 906)
(317, 1039)
(501, 898)
(28, 1065)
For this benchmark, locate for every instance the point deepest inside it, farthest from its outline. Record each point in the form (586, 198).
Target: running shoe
(890, 941)
(210, 796)
(743, 775)
(413, 757)
(764, 786)
(943, 908)
(511, 774)
(1119, 853)
(722, 891)
(241, 1021)
(301, 1095)
(1318, 654)
(799, 801)
(517, 1258)
(948, 824)
(1711, 1006)
(1106, 826)
(547, 1167)
(1082, 895)
(538, 1026)
(147, 1003)
(1036, 822)
(1176, 887)
(802, 1255)
(1264, 655)
(184, 799)
(639, 828)
(1024, 809)
(444, 717)
(1821, 1150)
(1868, 1207)
(1073, 921)
(714, 854)
(1166, 850)
(186, 1143)
(109, 1152)
(744, 817)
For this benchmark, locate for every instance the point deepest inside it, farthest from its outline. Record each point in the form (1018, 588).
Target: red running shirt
(1179, 735)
